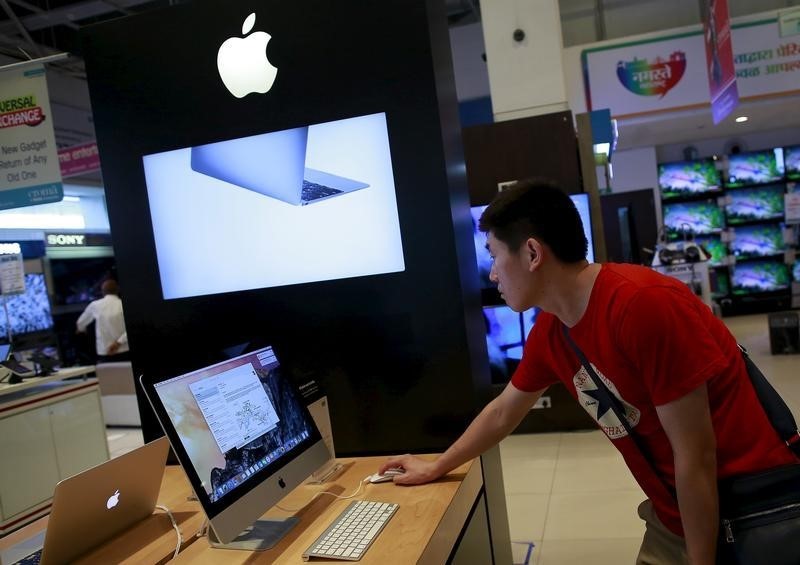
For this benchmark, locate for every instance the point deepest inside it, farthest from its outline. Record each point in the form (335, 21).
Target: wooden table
(425, 528)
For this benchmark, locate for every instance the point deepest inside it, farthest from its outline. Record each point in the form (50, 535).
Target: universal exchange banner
(29, 169)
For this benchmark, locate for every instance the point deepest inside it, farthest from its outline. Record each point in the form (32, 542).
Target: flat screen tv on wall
(688, 178)
(756, 167)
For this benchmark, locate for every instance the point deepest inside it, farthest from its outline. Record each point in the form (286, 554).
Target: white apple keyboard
(352, 532)
(389, 475)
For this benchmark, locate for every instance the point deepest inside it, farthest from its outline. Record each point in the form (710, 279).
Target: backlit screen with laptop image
(243, 436)
(301, 205)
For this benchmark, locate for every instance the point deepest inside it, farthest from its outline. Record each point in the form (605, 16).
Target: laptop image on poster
(95, 505)
(272, 164)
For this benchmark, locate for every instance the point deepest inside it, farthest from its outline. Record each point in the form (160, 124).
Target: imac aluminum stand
(262, 535)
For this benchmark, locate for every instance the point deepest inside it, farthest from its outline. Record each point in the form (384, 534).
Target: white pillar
(526, 77)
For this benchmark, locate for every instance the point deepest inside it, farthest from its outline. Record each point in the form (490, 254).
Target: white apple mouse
(388, 475)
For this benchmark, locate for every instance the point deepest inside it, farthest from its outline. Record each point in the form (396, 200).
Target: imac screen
(236, 420)
(309, 204)
(715, 247)
(698, 218)
(757, 241)
(758, 167)
(688, 178)
(30, 311)
(760, 276)
(796, 271)
(791, 157)
(755, 204)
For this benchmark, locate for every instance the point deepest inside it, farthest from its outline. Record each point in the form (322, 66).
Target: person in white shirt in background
(112, 338)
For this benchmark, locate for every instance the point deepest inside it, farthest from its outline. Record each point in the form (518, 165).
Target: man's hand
(418, 471)
(113, 348)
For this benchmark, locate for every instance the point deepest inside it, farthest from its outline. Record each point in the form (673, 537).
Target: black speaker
(784, 333)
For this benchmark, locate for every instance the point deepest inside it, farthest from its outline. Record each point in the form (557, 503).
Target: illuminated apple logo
(113, 500)
(242, 62)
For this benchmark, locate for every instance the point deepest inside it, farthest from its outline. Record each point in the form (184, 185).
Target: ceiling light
(741, 119)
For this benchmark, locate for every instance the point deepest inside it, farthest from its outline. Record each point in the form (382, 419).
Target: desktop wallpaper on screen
(757, 167)
(699, 218)
(233, 451)
(28, 312)
(791, 160)
(757, 241)
(796, 271)
(760, 276)
(688, 178)
(755, 204)
(232, 215)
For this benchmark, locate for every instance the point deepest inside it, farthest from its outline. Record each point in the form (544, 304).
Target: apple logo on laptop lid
(113, 500)
(243, 64)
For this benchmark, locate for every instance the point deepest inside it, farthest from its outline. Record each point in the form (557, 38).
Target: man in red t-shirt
(672, 365)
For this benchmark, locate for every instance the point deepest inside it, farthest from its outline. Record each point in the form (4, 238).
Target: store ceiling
(691, 125)
(42, 27)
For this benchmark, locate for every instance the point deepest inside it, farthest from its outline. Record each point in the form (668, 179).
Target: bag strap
(778, 413)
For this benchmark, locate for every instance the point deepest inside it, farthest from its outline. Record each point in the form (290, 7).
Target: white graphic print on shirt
(598, 409)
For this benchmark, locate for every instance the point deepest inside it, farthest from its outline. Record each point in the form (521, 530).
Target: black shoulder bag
(759, 512)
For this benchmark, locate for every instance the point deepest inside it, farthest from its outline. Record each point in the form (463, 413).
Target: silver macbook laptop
(272, 164)
(95, 505)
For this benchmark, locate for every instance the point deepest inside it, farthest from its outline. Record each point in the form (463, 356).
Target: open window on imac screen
(251, 203)
(244, 438)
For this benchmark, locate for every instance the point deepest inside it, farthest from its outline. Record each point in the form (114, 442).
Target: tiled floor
(572, 495)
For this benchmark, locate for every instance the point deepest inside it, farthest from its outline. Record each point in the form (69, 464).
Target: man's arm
(86, 318)
(687, 423)
(495, 422)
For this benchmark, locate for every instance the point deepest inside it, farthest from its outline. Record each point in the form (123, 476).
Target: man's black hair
(537, 209)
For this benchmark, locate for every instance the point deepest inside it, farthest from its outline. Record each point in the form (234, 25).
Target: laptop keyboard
(314, 191)
(352, 532)
(32, 559)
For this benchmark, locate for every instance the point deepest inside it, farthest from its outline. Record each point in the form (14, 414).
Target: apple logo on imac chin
(113, 500)
(242, 62)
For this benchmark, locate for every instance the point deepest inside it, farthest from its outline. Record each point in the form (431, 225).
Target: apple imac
(245, 440)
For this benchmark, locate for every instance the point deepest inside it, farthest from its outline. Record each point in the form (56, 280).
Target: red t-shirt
(652, 341)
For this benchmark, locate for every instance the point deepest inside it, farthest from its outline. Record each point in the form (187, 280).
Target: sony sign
(63, 239)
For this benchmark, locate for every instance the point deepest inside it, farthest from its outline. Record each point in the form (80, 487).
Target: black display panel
(381, 345)
(79, 281)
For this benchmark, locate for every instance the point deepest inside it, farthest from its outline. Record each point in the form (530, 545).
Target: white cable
(360, 485)
(174, 525)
